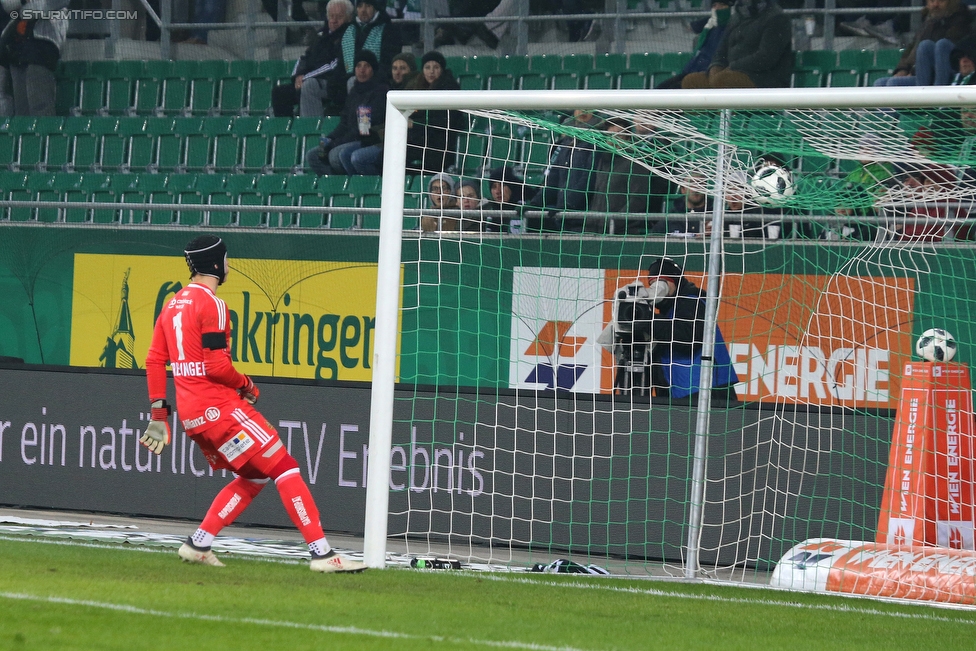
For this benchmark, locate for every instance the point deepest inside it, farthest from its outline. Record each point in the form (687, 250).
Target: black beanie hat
(206, 255)
(409, 59)
(370, 58)
(434, 55)
(665, 267)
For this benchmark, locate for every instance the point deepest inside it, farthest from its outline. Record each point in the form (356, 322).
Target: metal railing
(614, 23)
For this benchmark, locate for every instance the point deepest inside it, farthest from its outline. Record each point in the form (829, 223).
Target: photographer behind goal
(656, 338)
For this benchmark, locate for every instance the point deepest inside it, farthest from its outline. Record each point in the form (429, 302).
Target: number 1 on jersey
(178, 328)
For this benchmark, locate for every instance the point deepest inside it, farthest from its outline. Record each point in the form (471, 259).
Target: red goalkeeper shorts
(236, 436)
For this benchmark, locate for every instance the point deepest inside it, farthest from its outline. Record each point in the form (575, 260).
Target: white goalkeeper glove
(157, 434)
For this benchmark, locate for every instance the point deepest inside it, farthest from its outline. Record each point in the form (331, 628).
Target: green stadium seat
(310, 219)
(673, 62)
(823, 60)
(254, 152)
(298, 183)
(457, 65)
(44, 186)
(102, 192)
(371, 220)
(259, 96)
(598, 81)
(482, 65)
(118, 95)
(157, 69)
(565, 81)
(174, 95)
(18, 191)
(887, 59)
(360, 185)
(250, 219)
(500, 81)
(859, 60)
(202, 96)
(8, 149)
(235, 183)
(140, 156)
(242, 68)
(578, 63)
(533, 81)
(189, 217)
(284, 153)
(70, 186)
(230, 95)
(273, 69)
(610, 62)
(66, 94)
(807, 79)
(30, 148)
(513, 65)
(56, 151)
(226, 152)
(271, 183)
(101, 68)
(91, 95)
(411, 222)
(647, 62)
(146, 100)
(471, 81)
(272, 126)
(843, 79)
(196, 153)
(211, 189)
(179, 183)
(632, 80)
(76, 69)
(162, 216)
(112, 152)
(546, 64)
(342, 220)
(284, 218)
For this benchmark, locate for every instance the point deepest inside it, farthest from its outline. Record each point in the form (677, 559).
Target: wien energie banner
(822, 340)
(297, 319)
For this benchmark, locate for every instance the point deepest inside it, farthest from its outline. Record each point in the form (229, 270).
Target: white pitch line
(702, 597)
(321, 628)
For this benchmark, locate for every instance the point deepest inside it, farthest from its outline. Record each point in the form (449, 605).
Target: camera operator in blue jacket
(658, 333)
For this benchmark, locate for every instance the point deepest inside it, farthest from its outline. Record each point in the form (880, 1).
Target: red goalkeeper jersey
(192, 334)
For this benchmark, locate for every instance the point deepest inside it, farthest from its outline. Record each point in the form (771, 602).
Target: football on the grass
(936, 345)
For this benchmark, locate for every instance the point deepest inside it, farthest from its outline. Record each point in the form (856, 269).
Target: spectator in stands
(450, 34)
(402, 70)
(507, 193)
(471, 205)
(929, 219)
(756, 50)
(710, 31)
(927, 62)
(738, 217)
(432, 135)
(440, 197)
(372, 30)
(963, 61)
(569, 180)
(861, 187)
(624, 186)
(205, 11)
(355, 145)
(696, 208)
(319, 78)
(30, 51)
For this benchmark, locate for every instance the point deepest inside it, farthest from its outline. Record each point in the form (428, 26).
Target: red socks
(230, 503)
(299, 504)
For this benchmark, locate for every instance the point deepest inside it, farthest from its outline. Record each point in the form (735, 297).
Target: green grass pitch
(74, 596)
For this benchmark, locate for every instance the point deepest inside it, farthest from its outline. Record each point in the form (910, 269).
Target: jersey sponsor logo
(189, 369)
(212, 414)
(194, 422)
(236, 446)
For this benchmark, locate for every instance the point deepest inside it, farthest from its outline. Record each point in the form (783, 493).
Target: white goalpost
(498, 429)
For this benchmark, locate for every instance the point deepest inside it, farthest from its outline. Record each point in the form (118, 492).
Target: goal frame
(400, 104)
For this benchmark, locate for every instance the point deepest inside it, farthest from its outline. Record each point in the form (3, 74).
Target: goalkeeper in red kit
(215, 403)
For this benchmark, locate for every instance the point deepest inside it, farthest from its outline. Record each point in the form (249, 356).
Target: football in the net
(772, 185)
(936, 345)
